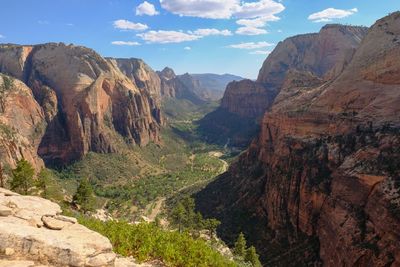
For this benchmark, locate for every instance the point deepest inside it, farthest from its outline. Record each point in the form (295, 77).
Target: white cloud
(164, 37)
(2, 36)
(260, 52)
(330, 14)
(251, 45)
(256, 23)
(212, 9)
(207, 32)
(250, 31)
(187, 48)
(125, 43)
(146, 8)
(266, 9)
(128, 25)
(224, 9)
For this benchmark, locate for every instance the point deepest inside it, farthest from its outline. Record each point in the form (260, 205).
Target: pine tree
(252, 257)
(240, 246)
(22, 177)
(43, 181)
(84, 196)
(178, 216)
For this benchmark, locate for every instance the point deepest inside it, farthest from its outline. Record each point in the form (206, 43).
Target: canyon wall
(323, 54)
(320, 184)
(87, 102)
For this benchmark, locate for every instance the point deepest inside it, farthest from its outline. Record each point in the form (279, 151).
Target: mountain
(87, 102)
(323, 54)
(320, 183)
(212, 86)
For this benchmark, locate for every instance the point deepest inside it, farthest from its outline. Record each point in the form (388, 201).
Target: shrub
(147, 242)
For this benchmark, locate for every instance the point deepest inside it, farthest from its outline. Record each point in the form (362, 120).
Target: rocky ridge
(320, 183)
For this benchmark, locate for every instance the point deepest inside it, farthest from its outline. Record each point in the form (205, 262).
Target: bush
(147, 242)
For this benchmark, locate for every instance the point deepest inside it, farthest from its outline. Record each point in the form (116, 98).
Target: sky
(195, 36)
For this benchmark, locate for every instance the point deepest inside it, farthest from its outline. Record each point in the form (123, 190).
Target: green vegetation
(240, 246)
(8, 83)
(84, 196)
(247, 255)
(252, 257)
(22, 177)
(147, 242)
(185, 218)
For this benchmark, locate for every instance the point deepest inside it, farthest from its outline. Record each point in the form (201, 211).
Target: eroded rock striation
(323, 54)
(22, 123)
(88, 103)
(321, 182)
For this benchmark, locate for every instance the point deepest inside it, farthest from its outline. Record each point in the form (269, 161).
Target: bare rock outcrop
(89, 104)
(33, 233)
(320, 183)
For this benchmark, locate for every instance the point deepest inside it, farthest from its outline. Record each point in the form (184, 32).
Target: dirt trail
(159, 203)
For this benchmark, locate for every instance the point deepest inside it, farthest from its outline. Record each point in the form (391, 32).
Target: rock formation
(173, 86)
(33, 233)
(320, 184)
(88, 103)
(322, 54)
(22, 123)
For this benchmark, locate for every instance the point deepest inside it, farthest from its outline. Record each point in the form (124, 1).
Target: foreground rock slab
(24, 238)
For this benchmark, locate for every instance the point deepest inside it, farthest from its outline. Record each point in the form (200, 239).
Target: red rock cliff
(323, 55)
(89, 104)
(321, 182)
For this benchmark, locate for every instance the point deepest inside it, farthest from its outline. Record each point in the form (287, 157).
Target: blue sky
(196, 36)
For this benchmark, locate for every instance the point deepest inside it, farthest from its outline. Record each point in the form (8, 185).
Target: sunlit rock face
(88, 103)
(323, 55)
(320, 183)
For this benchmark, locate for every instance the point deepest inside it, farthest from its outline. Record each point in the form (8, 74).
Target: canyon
(319, 184)
(323, 54)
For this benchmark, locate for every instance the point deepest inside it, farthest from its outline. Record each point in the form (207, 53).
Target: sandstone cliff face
(323, 55)
(247, 99)
(146, 79)
(320, 184)
(89, 104)
(22, 123)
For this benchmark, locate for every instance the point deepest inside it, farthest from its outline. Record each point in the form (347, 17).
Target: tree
(240, 246)
(252, 257)
(43, 181)
(84, 196)
(22, 177)
(211, 225)
(178, 215)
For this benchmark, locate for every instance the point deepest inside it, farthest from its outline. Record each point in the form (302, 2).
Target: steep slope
(89, 104)
(323, 54)
(320, 183)
(22, 123)
(145, 78)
